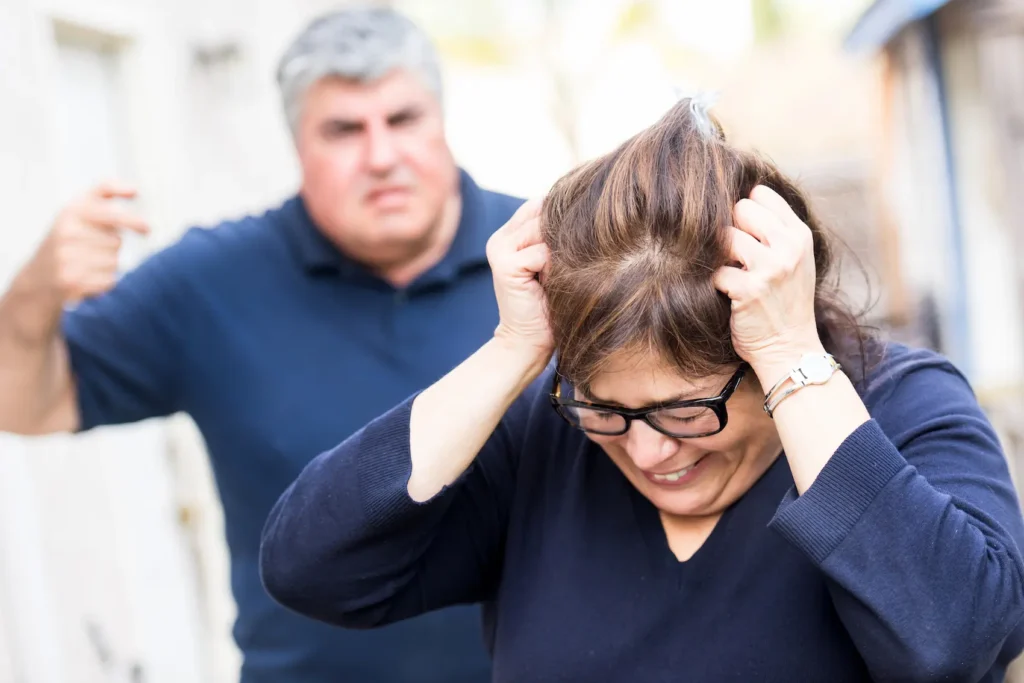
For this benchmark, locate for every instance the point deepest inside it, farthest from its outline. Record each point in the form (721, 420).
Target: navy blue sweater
(902, 561)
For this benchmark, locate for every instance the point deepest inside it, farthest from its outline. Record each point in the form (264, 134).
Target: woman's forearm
(348, 541)
(452, 419)
(814, 421)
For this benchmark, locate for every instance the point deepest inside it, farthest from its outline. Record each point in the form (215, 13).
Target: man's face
(376, 168)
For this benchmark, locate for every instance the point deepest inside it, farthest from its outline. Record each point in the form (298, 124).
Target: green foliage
(635, 17)
(769, 20)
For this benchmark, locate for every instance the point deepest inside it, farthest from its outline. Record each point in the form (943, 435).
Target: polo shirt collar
(467, 251)
(316, 252)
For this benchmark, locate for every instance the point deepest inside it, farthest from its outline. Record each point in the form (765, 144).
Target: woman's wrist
(812, 421)
(526, 358)
(778, 361)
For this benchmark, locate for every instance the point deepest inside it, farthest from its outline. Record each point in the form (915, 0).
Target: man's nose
(382, 152)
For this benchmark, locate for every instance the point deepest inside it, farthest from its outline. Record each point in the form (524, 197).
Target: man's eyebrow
(341, 123)
(338, 122)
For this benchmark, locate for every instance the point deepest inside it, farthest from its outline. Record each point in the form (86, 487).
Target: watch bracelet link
(819, 364)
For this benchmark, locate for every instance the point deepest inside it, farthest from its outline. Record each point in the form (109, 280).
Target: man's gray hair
(361, 43)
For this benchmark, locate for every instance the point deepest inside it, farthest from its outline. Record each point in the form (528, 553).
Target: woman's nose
(647, 447)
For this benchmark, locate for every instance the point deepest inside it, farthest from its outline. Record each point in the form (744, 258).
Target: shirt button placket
(399, 315)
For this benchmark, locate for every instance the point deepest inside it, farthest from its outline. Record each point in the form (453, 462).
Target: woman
(642, 511)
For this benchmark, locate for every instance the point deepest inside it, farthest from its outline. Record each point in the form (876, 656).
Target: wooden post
(1000, 29)
(898, 309)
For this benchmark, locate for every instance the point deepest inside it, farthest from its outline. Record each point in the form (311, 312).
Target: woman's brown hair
(636, 236)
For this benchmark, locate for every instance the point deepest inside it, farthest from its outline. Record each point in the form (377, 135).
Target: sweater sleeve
(916, 525)
(345, 543)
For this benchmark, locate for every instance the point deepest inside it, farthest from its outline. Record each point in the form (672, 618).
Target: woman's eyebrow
(590, 397)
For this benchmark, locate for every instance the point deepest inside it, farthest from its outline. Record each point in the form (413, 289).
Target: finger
(798, 233)
(112, 190)
(773, 201)
(760, 223)
(732, 282)
(108, 216)
(89, 240)
(80, 234)
(527, 235)
(88, 282)
(527, 210)
(545, 272)
(745, 249)
(532, 259)
(100, 261)
(78, 270)
(521, 230)
(96, 283)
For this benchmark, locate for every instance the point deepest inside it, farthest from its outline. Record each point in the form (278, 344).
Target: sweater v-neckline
(690, 572)
(660, 553)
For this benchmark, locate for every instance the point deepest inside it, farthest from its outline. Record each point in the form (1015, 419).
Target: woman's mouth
(677, 478)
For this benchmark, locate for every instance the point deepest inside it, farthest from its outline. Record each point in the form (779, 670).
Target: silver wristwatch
(813, 368)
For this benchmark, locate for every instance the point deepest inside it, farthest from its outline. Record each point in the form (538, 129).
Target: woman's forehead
(637, 378)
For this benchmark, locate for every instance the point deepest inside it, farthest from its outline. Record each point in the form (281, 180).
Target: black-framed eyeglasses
(688, 419)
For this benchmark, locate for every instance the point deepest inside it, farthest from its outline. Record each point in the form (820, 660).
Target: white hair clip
(701, 103)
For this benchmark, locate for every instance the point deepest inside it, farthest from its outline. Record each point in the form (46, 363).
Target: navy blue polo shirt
(279, 347)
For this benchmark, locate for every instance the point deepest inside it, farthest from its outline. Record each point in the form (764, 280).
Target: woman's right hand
(519, 258)
(453, 418)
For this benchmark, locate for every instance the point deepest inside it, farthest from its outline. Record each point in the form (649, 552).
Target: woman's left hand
(772, 287)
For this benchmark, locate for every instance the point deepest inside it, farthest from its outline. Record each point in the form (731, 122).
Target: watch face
(816, 368)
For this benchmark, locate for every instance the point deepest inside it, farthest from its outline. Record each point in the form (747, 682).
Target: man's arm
(37, 393)
(76, 261)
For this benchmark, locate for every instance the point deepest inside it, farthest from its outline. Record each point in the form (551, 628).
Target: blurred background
(904, 121)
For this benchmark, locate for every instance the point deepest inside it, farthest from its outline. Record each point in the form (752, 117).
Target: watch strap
(813, 368)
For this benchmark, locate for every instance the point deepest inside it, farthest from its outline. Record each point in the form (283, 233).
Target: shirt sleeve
(125, 346)
(916, 525)
(345, 543)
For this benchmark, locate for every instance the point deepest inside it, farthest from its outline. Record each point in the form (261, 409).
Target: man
(280, 334)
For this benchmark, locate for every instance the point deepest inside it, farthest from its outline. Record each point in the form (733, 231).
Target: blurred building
(952, 167)
(112, 565)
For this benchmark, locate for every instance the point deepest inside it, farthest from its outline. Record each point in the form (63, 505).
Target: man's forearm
(36, 388)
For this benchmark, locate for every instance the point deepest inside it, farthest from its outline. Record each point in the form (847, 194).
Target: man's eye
(404, 119)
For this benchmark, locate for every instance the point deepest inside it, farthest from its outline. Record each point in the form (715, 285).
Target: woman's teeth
(675, 476)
